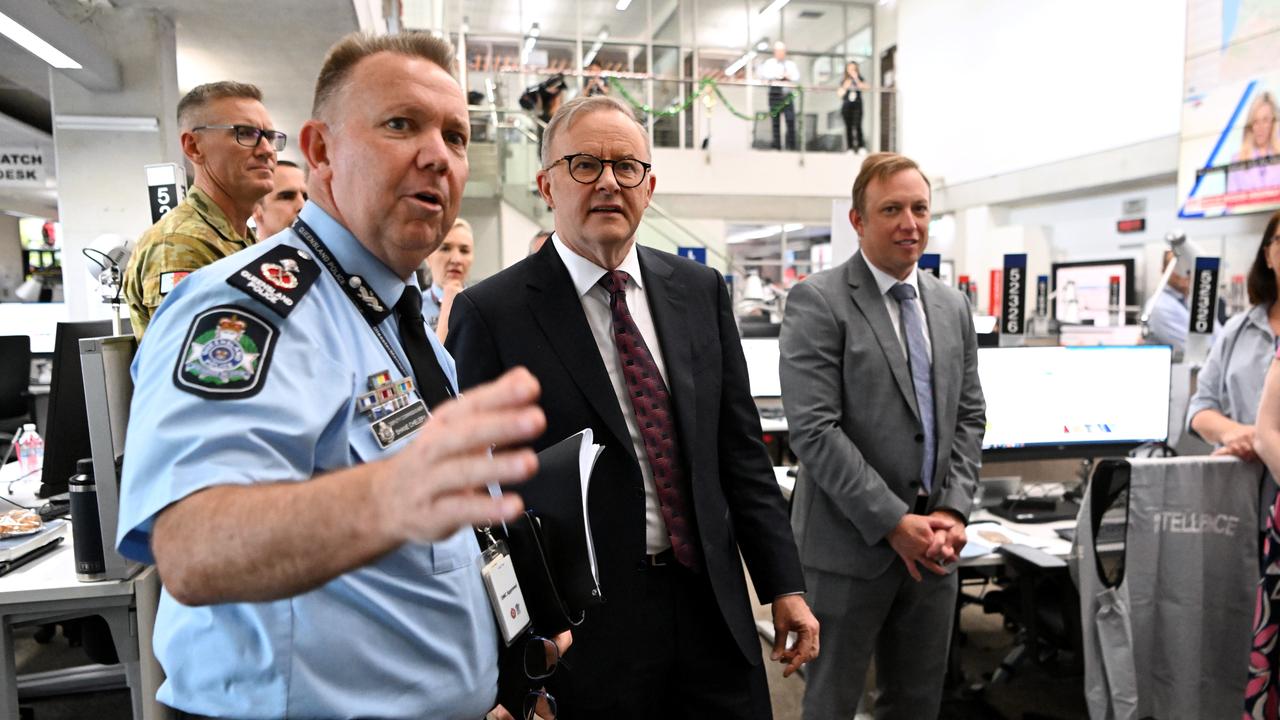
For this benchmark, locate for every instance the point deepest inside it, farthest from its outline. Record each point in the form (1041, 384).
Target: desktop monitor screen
(1084, 293)
(1074, 401)
(762, 366)
(67, 426)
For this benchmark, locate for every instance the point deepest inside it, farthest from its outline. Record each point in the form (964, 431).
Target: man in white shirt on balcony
(782, 75)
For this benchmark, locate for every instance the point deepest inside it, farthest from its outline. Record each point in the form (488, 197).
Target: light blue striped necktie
(921, 375)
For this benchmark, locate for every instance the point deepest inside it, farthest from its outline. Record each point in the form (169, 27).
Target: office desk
(1045, 535)
(47, 591)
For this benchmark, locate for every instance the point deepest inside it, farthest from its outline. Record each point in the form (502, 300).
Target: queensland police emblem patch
(226, 353)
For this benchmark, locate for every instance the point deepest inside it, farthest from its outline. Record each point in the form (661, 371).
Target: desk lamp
(108, 256)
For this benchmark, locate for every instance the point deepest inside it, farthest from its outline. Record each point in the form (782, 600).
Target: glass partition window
(656, 54)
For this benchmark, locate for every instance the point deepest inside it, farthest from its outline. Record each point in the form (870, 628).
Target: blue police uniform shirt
(431, 300)
(411, 635)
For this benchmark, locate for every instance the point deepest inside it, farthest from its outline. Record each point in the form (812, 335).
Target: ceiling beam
(99, 69)
(14, 130)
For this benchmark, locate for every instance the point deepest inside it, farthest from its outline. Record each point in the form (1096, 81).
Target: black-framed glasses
(250, 136)
(539, 704)
(587, 168)
(541, 656)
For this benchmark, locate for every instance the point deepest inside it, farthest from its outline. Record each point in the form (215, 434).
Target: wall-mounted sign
(166, 186)
(22, 167)
(696, 254)
(1132, 225)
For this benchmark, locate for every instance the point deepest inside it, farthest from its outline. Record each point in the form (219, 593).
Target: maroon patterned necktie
(652, 404)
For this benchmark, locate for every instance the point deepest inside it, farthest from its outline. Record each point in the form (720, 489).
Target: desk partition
(108, 389)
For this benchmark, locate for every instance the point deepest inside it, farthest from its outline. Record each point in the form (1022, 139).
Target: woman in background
(450, 266)
(851, 110)
(1225, 406)
(1262, 689)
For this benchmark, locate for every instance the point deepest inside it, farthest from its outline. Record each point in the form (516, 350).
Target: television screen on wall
(1229, 156)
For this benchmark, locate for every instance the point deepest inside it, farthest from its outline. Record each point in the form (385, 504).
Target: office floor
(1033, 693)
(1041, 693)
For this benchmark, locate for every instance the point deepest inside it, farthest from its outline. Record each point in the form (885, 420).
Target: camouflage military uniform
(193, 234)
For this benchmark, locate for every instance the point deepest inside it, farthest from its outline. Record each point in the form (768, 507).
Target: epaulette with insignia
(278, 278)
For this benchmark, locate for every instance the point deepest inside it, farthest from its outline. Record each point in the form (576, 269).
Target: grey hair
(585, 105)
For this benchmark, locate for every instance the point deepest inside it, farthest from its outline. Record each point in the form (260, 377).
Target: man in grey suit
(879, 377)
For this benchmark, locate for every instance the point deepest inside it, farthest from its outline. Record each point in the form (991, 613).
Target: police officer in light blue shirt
(296, 467)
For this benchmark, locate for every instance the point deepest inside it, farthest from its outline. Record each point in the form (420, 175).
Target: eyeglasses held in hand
(250, 136)
(539, 704)
(587, 168)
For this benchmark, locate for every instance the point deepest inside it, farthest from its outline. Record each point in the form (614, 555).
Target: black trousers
(776, 94)
(852, 114)
(679, 660)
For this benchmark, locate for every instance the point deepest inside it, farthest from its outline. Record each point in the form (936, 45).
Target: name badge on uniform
(504, 591)
(392, 412)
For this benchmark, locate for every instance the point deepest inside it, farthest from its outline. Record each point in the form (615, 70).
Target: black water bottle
(85, 525)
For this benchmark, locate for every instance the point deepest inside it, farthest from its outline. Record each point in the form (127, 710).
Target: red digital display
(1132, 225)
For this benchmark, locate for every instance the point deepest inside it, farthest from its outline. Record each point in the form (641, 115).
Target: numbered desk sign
(166, 186)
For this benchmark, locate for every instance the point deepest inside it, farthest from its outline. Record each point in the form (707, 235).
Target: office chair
(16, 402)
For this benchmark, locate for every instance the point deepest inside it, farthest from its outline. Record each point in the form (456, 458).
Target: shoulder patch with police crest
(226, 354)
(278, 278)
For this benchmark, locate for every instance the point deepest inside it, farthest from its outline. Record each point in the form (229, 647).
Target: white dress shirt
(595, 303)
(779, 71)
(885, 282)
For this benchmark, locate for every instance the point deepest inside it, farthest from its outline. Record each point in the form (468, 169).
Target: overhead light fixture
(36, 45)
(764, 232)
(106, 123)
(774, 6)
(740, 62)
(622, 5)
(530, 40)
(762, 45)
(595, 47)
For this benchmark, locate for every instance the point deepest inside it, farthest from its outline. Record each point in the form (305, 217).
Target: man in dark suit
(879, 375)
(641, 346)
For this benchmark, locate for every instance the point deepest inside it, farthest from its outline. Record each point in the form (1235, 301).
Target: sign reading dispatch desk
(22, 167)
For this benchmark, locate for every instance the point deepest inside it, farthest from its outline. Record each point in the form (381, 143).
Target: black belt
(922, 502)
(662, 559)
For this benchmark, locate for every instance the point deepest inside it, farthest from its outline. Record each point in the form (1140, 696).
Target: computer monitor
(1084, 295)
(762, 366)
(67, 427)
(1066, 402)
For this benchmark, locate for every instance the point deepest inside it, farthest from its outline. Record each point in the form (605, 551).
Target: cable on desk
(15, 504)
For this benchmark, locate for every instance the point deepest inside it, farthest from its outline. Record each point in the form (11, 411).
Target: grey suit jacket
(851, 408)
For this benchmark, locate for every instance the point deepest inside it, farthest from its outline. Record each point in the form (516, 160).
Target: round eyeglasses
(250, 136)
(586, 169)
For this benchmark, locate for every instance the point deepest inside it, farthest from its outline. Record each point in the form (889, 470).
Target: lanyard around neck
(368, 304)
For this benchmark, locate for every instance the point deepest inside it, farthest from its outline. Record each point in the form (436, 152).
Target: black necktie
(432, 383)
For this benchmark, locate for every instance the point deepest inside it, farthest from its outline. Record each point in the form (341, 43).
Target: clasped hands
(932, 540)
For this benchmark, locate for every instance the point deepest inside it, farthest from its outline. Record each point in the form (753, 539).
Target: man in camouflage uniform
(227, 136)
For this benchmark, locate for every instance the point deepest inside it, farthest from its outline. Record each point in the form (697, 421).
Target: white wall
(991, 86)
(1085, 229)
(10, 257)
(517, 230)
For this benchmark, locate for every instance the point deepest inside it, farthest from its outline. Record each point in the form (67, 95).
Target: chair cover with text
(1167, 594)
